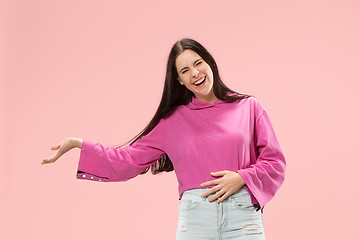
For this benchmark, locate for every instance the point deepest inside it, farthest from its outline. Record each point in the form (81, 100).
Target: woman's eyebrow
(194, 63)
(197, 60)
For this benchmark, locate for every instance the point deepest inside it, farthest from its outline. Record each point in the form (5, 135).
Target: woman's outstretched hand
(230, 183)
(63, 147)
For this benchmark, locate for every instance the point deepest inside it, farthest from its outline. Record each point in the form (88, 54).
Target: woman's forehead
(187, 57)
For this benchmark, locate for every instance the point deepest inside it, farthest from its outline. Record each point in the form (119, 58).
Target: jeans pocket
(242, 199)
(190, 201)
(187, 204)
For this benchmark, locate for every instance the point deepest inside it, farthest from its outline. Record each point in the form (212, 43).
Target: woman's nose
(195, 72)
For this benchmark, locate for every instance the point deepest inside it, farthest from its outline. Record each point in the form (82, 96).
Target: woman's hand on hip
(230, 183)
(63, 147)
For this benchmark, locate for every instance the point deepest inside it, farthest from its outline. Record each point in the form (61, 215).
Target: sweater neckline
(196, 103)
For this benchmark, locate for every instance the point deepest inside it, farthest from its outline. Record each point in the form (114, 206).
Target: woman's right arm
(63, 147)
(102, 163)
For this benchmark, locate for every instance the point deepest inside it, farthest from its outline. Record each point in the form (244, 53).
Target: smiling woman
(197, 75)
(220, 143)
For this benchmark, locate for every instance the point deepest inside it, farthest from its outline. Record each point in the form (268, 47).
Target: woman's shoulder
(250, 102)
(245, 98)
(171, 114)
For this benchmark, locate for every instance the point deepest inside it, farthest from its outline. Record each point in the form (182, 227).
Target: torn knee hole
(252, 229)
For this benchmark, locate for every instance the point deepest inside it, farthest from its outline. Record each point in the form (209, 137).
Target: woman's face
(192, 70)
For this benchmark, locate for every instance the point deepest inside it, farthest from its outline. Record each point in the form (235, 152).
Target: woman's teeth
(199, 83)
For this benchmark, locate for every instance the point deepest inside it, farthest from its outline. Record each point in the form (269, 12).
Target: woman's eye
(184, 71)
(198, 63)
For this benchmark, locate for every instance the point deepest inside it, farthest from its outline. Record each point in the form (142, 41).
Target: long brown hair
(175, 94)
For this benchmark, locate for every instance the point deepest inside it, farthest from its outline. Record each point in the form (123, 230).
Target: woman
(220, 144)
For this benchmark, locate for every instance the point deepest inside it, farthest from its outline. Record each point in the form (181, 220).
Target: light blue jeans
(233, 218)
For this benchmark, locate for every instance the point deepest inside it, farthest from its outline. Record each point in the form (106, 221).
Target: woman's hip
(234, 217)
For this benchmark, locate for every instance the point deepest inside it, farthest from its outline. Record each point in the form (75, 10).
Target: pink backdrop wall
(95, 70)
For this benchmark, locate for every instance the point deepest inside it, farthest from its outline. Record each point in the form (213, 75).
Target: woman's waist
(198, 192)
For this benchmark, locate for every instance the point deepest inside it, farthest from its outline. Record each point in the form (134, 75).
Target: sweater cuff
(86, 161)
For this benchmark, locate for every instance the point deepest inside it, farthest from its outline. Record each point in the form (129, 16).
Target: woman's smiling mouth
(200, 83)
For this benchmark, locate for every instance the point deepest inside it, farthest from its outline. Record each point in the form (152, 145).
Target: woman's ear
(180, 81)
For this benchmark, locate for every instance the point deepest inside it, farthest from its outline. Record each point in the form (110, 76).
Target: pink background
(95, 70)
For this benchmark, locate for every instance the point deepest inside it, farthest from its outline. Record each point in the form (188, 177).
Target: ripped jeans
(234, 218)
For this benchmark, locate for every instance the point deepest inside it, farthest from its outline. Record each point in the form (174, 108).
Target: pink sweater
(199, 138)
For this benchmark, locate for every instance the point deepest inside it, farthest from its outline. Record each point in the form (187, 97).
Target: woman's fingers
(211, 182)
(205, 184)
(55, 147)
(223, 197)
(55, 157)
(225, 186)
(217, 195)
(52, 159)
(211, 190)
(45, 161)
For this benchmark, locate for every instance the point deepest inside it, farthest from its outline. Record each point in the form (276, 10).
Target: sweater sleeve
(266, 175)
(109, 164)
